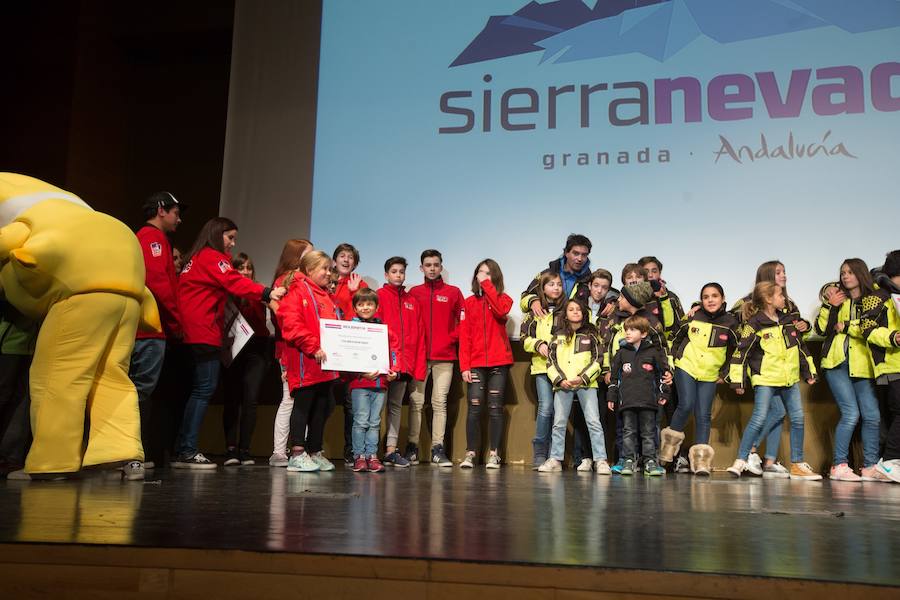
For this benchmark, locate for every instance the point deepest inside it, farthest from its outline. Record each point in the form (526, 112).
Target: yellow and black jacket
(880, 326)
(671, 313)
(637, 374)
(536, 331)
(770, 353)
(850, 344)
(576, 356)
(705, 343)
(615, 334)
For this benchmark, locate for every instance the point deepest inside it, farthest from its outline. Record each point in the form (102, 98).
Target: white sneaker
(602, 467)
(682, 465)
(776, 471)
(278, 460)
(551, 465)
(738, 467)
(302, 464)
(585, 467)
(890, 469)
(468, 462)
(493, 461)
(754, 464)
(324, 463)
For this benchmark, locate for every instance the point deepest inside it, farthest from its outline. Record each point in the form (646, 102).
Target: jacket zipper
(484, 309)
(402, 333)
(431, 321)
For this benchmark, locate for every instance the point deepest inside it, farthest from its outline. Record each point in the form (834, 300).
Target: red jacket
(483, 341)
(298, 317)
(203, 288)
(343, 297)
(279, 343)
(402, 314)
(161, 280)
(356, 380)
(442, 306)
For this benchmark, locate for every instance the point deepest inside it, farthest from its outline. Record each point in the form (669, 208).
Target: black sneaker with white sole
(197, 461)
(439, 457)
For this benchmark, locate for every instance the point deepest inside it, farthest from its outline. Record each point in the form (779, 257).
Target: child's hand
(274, 304)
(897, 339)
(467, 376)
(662, 401)
(802, 326)
(839, 326)
(482, 276)
(608, 310)
(353, 282)
(811, 380)
(391, 375)
(693, 311)
(739, 391)
(371, 376)
(544, 350)
(607, 378)
(720, 381)
(611, 405)
(835, 296)
(319, 356)
(574, 383)
(667, 378)
(277, 293)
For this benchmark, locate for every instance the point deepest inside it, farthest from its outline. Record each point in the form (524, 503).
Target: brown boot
(670, 443)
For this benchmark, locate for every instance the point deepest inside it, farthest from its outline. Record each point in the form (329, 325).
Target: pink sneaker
(872, 474)
(843, 472)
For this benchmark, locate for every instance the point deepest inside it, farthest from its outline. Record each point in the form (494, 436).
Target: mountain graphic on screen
(569, 30)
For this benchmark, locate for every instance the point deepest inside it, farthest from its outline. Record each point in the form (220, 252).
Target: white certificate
(238, 333)
(354, 346)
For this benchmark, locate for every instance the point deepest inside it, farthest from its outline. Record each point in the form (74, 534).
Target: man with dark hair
(162, 211)
(574, 268)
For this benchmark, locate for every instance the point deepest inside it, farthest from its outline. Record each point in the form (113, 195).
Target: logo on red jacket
(440, 298)
(462, 315)
(155, 249)
(188, 266)
(224, 266)
(647, 367)
(408, 306)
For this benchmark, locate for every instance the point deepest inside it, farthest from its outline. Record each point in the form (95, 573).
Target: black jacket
(636, 374)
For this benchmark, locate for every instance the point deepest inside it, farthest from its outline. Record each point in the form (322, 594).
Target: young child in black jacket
(636, 390)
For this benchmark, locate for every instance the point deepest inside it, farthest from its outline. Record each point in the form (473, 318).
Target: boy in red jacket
(163, 214)
(402, 314)
(442, 306)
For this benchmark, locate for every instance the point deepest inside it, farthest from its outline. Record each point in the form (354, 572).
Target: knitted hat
(638, 294)
(891, 266)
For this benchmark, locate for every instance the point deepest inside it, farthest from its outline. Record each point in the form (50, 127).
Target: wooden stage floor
(816, 532)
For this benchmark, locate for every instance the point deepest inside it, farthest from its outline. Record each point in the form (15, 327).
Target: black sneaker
(349, 459)
(412, 454)
(246, 459)
(197, 461)
(439, 457)
(232, 458)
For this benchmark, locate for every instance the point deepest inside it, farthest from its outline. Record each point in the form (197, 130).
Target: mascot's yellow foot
(670, 443)
(701, 457)
(21, 475)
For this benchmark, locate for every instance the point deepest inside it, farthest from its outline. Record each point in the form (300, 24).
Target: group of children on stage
(634, 349)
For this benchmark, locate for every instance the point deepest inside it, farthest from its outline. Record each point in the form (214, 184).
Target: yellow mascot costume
(82, 273)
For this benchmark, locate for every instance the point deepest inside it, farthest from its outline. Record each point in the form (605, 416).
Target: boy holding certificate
(367, 393)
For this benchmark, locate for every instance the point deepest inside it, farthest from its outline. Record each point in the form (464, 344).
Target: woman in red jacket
(203, 287)
(484, 358)
(298, 317)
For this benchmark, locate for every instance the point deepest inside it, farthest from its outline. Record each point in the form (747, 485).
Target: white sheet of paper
(354, 346)
(239, 333)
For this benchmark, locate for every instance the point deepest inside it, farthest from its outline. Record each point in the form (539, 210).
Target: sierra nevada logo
(570, 30)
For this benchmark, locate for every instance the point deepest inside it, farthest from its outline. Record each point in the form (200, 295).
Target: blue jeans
(562, 405)
(855, 396)
(771, 430)
(367, 404)
(694, 397)
(762, 398)
(206, 378)
(544, 422)
(146, 365)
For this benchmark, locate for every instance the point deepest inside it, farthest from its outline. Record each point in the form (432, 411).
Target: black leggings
(488, 383)
(310, 411)
(243, 382)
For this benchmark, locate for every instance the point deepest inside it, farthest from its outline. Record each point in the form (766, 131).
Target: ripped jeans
(488, 384)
